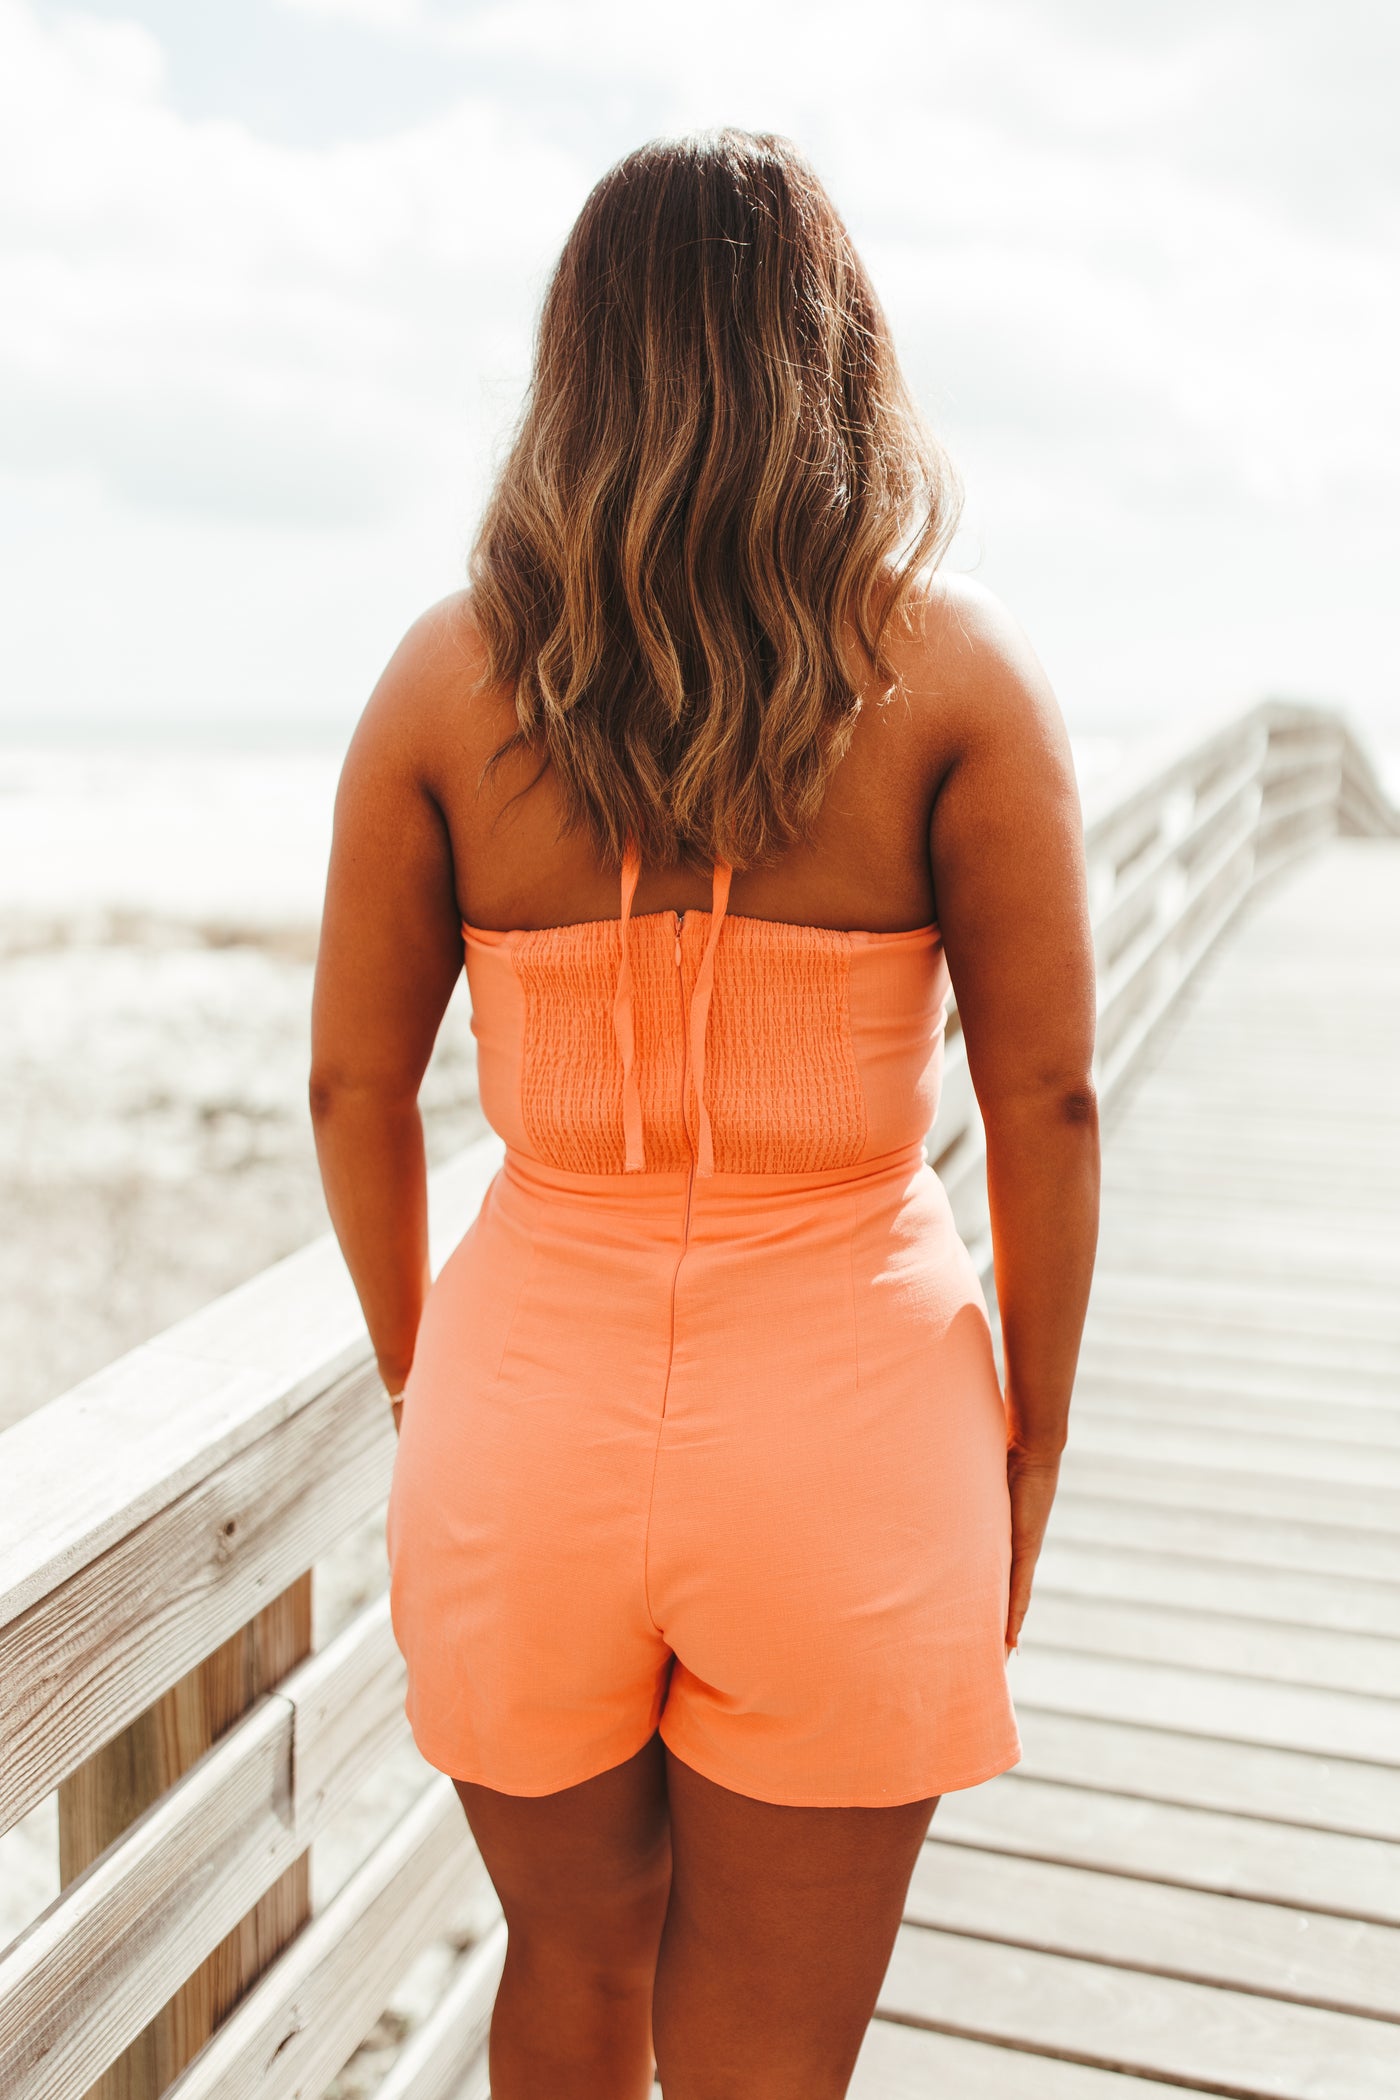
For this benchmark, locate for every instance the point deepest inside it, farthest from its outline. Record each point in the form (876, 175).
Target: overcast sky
(269, 270)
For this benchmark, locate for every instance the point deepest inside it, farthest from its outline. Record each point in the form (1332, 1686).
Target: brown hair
(718, 496)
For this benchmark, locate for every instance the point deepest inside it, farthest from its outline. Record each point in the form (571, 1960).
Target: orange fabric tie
(624, 1027)
(700, 1014)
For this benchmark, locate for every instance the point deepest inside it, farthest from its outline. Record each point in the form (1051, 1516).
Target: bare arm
(389, 955)
(1008, 863)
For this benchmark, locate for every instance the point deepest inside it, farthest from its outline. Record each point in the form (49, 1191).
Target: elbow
(326, 1089)
(1078, 1105)
(1051, 1104)
(323, 1091)
(331, 1089)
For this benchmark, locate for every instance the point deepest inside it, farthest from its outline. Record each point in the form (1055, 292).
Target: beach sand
(155, 1146)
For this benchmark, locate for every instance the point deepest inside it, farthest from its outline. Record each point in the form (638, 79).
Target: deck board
(917, 2063)
(1209, 1639)
(1128, 1574)
(1161, 1841)
(1204, 1771)
(1116, 2018)
(1198, 1936)
(1192, 1880)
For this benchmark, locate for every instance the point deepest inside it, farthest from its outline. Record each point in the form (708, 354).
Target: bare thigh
(583, 1877)
(758, 1935)
(586, 1869)
(779, 1929)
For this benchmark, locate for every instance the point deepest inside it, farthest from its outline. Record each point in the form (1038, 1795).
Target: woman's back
(820, 1039)
(866, 865)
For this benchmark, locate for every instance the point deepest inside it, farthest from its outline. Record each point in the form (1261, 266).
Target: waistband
(539, 1178)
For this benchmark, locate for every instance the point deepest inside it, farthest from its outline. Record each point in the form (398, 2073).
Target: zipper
(677, 919)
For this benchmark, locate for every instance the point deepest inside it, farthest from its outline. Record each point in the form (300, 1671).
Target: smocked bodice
(666, 1042)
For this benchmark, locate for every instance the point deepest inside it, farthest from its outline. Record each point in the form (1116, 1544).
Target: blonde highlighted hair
(718, 496)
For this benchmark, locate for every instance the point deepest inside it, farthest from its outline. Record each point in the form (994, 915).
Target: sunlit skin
(649, 1909)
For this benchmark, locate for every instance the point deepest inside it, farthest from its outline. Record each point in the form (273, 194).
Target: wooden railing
(158, 1523)
(1174, 850)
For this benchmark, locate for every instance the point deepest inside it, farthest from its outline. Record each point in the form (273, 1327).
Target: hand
(1032, 1481)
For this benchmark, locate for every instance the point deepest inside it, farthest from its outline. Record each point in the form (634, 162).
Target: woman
(711, 1529)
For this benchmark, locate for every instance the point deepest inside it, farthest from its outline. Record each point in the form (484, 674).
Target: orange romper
(703, 1428)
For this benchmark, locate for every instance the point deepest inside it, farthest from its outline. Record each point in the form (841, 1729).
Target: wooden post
(106, 1794)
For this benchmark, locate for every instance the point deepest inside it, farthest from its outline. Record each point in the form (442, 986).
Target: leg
(779, 1931)
(583, 1877)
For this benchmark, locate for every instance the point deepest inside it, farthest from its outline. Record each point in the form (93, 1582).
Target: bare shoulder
(431, 709)
(973, 679)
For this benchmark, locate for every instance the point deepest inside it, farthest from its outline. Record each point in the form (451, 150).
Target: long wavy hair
(718, 495)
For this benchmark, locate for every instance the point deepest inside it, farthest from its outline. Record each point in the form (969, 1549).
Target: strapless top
(706, 1042)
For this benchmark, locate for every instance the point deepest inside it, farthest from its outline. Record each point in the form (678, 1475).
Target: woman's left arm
(390, 952)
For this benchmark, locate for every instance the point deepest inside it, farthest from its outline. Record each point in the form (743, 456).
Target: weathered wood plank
(1364, 1329)
(1237, 1538)
(1161, 1235)
(1275, 1950)
(104, 1959)
(477, 2084)
(100, 1800)
(433, 2063)
(1224, 1303)
(1128, 1041)
(85, 1661)
(912, 2063)
(298, 2025)
(1205, 1174)
(151, 1426)
(92, 1973)
(1277, 1596)
(1199, 1771)
(1219, 2041)
(1367, 1423)
(1224, 818)
(349, 1706)
(1198, 1487)
(1210, 1640)
(1211, 1703)
(1125, 813)
(1239, 1855)
(1278, 1456)
(1285, 1371)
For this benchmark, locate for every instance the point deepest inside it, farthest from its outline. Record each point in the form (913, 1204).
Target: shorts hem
(591, 1766)
(850, 1797)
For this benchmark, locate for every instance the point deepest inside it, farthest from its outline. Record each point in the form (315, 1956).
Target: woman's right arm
(1007, 849)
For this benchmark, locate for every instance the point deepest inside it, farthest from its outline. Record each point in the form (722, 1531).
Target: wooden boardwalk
(1191, 1881)
(1193, 1877)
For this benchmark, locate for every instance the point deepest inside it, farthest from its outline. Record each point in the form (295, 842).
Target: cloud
(397, 15)
(215, 323)
(1137, 260)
